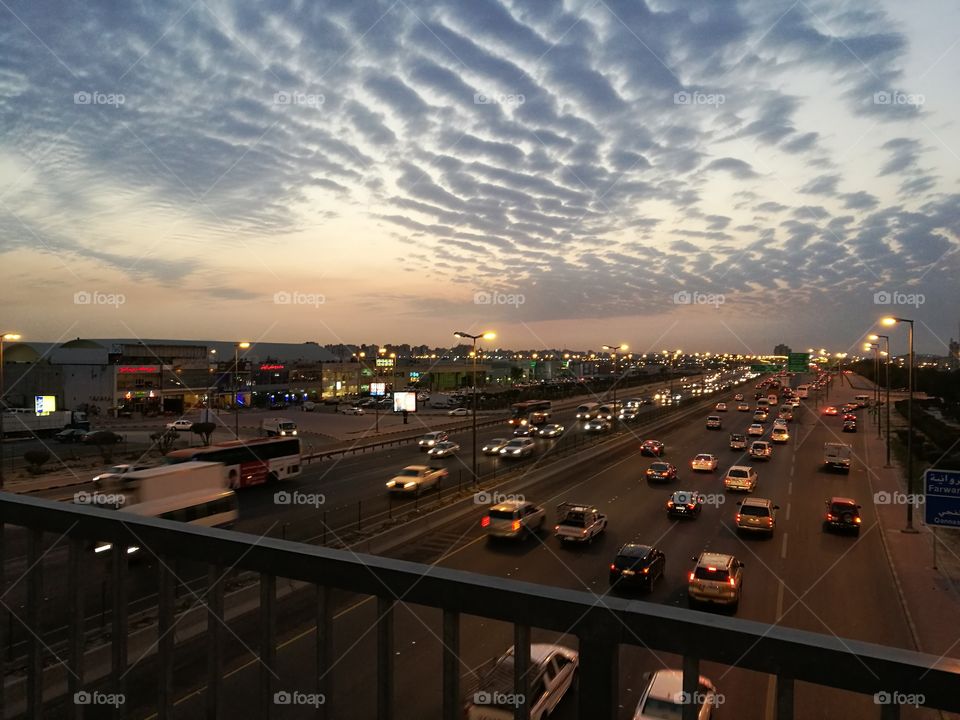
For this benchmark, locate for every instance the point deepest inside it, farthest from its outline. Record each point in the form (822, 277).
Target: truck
(25, 422)
(578, 522)
(837, 456)
(278, 426)
(141, 486)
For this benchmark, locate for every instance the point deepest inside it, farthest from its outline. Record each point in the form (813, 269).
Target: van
(273, 427)
(587, 411)
(786, 412)
(837, 456)
(862, 400)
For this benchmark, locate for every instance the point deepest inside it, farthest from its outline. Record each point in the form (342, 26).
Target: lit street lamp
(890, 322)
(474, 338)
(11, 337)
(876, 380)
(613, 354)
(237, 347)
(674, 354)
(886, 354)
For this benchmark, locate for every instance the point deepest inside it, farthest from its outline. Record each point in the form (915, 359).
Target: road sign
(765, 368)
(942, 490)
(798, 362)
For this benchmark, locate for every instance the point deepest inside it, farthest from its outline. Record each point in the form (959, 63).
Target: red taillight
(692, 577)
(613, 567)
(516, 525)
(485, 522)
(732, 582)
(669, 503)
(737, 519)
(691, 506)
(770, 522)
(857, 520)
(646, 571)
(829, 516)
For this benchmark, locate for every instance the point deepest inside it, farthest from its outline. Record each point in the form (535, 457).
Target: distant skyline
(723, 175)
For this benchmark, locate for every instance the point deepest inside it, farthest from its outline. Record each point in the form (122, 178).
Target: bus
(248, 462)
(803, 391)
(531, 412)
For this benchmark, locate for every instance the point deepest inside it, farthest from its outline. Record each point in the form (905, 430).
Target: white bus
(248, 462)
(803, 391)
(587, 411)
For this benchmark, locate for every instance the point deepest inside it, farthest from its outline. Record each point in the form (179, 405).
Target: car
(849, 426)
(760, 416)
(685, 503)
(843, 514)
(458, 412)
(577, 522)
(756, 515)
(493, 447)
(663, 697)
(525, 431)
(180, 425)
(550, 431)
(716, 578)
(760, 450)
(351, 410)
(117, 472)
(849, 416)
(637, 565)
(517, 519)
(597, 425)
(714, 422)
(738, 397)
(70, 435)
(720, 407)
(741, 477)
(551, 673)
(414, 478)
(432, 438)
(780, 435)
(661, 472)
(795, 402)
(628, 414)
(445, 448)
(517, 448)
(848, 408)
(652, 447)
(780, 423)
(830, 410)
(704, 461)
(105, 436)
(756, 429)
(738, 441)
(743, 407)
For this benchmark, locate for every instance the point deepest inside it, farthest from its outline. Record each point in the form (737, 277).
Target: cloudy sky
(715, 175)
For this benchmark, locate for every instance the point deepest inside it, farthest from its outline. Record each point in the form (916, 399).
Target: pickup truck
(414, 478)
(579, 523)
(837, 456)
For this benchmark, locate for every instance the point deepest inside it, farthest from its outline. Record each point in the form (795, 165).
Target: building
(782, 349)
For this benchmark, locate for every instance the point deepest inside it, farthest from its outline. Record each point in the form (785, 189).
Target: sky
(720, 175)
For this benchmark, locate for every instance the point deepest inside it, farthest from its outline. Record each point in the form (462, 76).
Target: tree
(36, 460)
(204, 430)
(164, 440)
(105, 442)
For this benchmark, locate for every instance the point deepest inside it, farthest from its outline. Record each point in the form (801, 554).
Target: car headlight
(391, 484)
(409, 485)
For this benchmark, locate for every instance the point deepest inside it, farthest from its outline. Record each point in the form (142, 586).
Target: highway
(802, 578)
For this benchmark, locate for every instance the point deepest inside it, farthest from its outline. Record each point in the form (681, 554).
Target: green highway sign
(766, 368)
(798, 362)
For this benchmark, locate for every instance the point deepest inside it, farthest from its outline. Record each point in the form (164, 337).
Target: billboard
(404, 400)
(378, 389)
(44, 404)
(942, 497)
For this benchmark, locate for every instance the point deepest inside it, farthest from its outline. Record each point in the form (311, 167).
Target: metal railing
(602, 625)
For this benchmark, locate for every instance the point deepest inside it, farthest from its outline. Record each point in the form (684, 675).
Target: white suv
(716, 578)
(740, 477)
(514, 519)
(663, 697)
(518, 447)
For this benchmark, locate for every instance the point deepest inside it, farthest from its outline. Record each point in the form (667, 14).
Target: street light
(673, 360)
(876, 380)
(10, 337)
(890, 322)
(482, 336)
(613, 353)
(237, 347)
(886, 354)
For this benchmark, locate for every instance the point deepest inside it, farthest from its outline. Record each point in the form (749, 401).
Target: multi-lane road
(801, 577)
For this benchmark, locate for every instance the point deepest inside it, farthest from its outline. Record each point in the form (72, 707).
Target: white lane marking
(788, 512)
(790, 488)
(783, 550)
(792, 468)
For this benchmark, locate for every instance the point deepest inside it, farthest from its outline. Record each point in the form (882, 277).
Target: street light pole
(12, 337)
(613, 354)
(474, 338)
(875, 346)
(889, 321)
(236, 385)
(886, 402)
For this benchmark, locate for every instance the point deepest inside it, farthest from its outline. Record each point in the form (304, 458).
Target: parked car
(70, 435)
(351, 410)
(458, 412)
(663, 697)
(637, 566)
(180, 425)
(101, 435)
(843, 515)
(716, 579)
(757, 515)
(414, 478)
(513, 519)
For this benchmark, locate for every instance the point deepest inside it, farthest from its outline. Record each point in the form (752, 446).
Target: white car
(352, 410)
(518, 447)
(552, 668)
(597, 425)
(431, 439)
(180, 425)
(443, 449)
(414, 478)
(116, 472)
(780, 435)
(550, 431)
(761, 450)
(493, 447)
(756, 429)
(795, 402)
(781, 422)
(704, 461)
(460, 411)
(663, 697)
(741, 477)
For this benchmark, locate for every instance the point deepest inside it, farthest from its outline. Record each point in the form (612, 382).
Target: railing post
(784, 697)
(34, 631)
(118, 625)
(4, 613)
(599, 670)
(214, 641)
(521, 671)
(384, 658)
(691, 687)
(165, 638)
(75, 593)
(451, 665)
(268, 645)
(890, 711)
(324, 640)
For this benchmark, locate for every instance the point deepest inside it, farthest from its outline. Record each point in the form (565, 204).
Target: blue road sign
(942, 490)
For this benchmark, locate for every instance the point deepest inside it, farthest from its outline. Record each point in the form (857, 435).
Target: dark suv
(843, 514)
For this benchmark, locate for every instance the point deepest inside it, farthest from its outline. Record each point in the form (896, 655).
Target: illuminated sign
(131, 369)
(268, 367)
(44, 404)
(384, 362)
(378, 389)
(414, 375)
(404, 401)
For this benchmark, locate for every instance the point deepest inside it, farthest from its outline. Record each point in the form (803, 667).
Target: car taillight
(613, 567)
(646, 571)
(829, 516)
(557, 528)
(856, 520)
(691, 506)
(692, 577)
(737, 519)
(516, 525)
(732, 582)
(669, 503)
(485, 522)
(770, 521)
